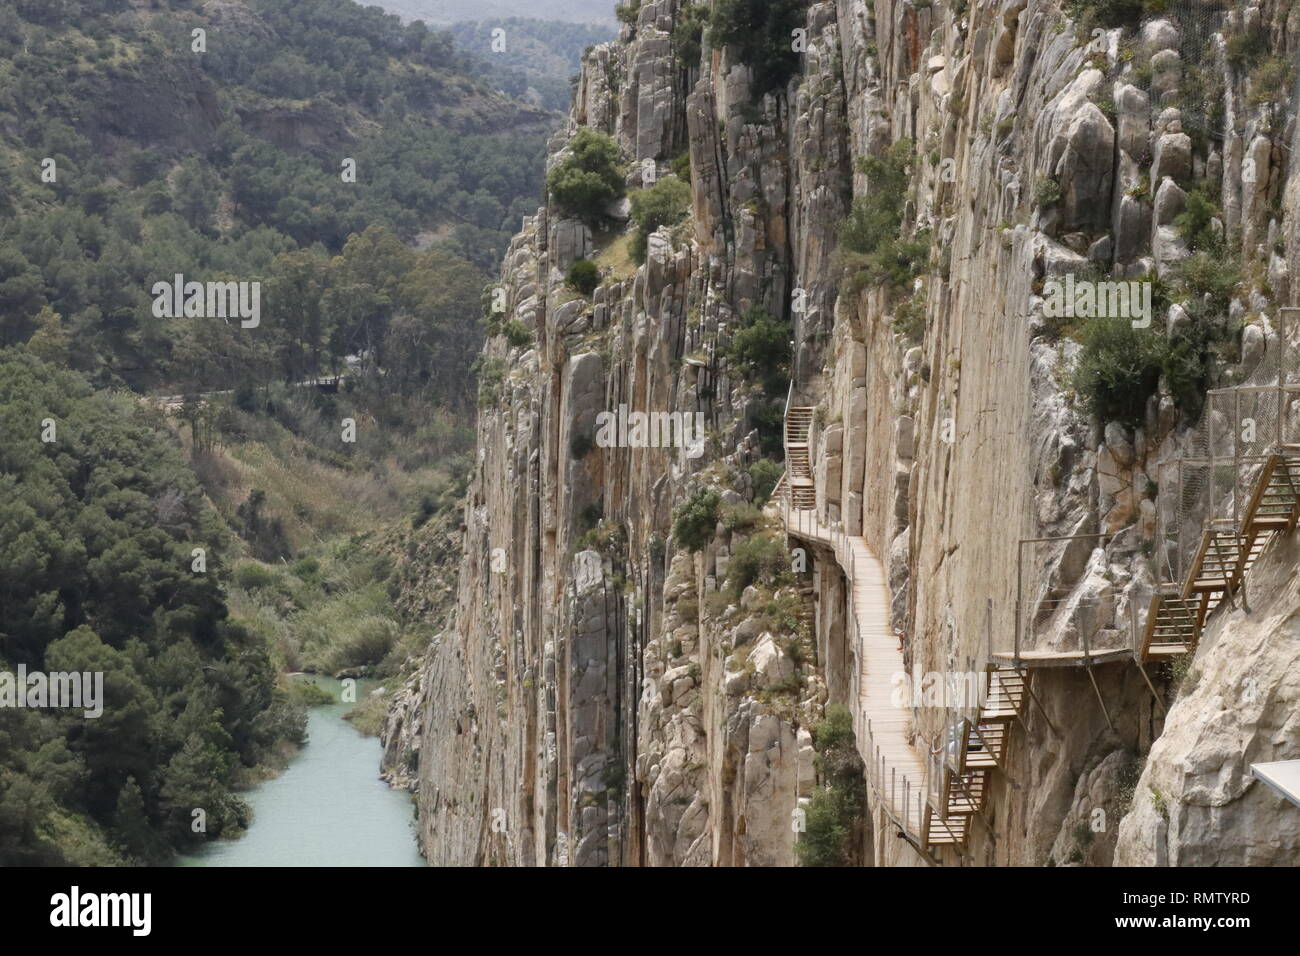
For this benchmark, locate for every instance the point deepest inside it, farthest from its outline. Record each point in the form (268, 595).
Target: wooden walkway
(896, 772)
(933, 794)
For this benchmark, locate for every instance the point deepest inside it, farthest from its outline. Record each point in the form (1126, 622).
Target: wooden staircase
(961, 772)
(1216, 569)
(1172, 626)
(1275, 505)
(798, 464)
(1227, 553)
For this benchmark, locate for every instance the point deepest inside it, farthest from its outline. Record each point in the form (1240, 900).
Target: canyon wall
(610, 695)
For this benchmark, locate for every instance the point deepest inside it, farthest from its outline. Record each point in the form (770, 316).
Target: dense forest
(136, 149)
(99, 521)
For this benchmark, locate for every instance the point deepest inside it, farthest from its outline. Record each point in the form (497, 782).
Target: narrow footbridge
(929, 793)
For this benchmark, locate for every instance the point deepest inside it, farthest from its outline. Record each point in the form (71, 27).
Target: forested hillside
(135, 149)
(98, 528)
(543, 55)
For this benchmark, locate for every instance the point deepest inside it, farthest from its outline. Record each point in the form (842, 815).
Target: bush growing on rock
(759, 559)
(760, 347)
(1048, 193)
(1195, 224)
(688, 34)
(763, 476)
(768, 419)
(589, 178)
(741, 517)
(517, 334)
(1270, 81)
(1110, 13)
(627, 12)
(835, 811)
(872, 247)
(666, 203)
(1118, 368)
(695, 518)
(584, 276)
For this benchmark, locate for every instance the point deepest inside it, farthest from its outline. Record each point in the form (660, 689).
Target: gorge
(656, 659)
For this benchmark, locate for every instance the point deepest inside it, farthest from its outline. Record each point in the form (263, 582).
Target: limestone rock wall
(602, 700)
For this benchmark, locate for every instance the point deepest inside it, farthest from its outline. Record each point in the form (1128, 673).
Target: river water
(328, 807)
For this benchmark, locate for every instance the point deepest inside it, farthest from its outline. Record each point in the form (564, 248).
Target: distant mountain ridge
(453, 11)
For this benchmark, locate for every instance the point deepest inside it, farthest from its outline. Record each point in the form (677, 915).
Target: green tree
(589, 176)
(760, 347)
(196, 191)
(134, 828)
(50, 341)
(96, 534)
(666, 203)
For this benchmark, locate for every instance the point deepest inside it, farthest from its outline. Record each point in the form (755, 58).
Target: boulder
(1166, 72)
(1085, 169)
(1170, 200)
(1172, 157)
(1133, 114)
(1159, 35)
(772, 665)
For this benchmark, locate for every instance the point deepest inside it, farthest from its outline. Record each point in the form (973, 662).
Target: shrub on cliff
(1118, 369)
(688, 34)
(760, 347)
(666, 203)
(872, 247)
(759, 559)
(834, 815)
(1120, 366)
(589, 178)
(695, 518)
(627, 12)
(584, 276)
(763, 476)
(1111, 13)
(1196, 223)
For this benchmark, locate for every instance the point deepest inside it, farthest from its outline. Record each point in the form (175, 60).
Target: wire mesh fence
(1211, 485)
(1183, 71)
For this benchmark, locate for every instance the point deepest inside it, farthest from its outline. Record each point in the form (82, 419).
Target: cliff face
(608, 697)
